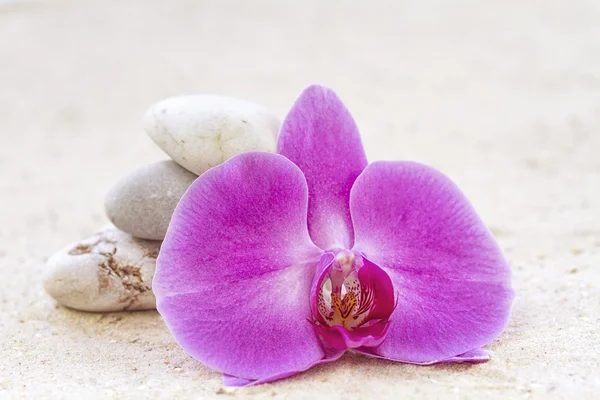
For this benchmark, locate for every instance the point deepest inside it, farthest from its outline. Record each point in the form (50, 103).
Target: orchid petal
(373, 276)
(229, 380)
(320, 136)
(235, 270)
(475, 356)
(452, 281)
(340, 338)
(321, 271)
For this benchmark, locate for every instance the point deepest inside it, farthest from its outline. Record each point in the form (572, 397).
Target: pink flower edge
(274, 264)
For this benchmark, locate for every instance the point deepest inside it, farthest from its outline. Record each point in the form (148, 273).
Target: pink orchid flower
(274, 263)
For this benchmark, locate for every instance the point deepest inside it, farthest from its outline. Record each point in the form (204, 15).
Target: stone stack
(113, 270)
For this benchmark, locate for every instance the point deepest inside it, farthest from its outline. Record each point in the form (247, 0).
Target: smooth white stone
(202, 131)
(110, 271)
(142, 203)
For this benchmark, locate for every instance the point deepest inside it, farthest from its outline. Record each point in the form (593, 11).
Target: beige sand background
(503, 96)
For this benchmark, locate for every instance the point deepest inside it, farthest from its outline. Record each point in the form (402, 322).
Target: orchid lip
(353, 301)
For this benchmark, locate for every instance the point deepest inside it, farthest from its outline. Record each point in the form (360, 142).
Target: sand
(502, 96)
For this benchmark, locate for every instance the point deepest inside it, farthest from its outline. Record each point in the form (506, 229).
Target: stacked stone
(113, 270)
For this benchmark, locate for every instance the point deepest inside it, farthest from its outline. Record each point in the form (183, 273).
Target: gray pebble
(202, 131)
(110, 271)
(143, 202)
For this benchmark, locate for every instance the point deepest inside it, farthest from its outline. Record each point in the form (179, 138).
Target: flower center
(342, 300)
(352, 300)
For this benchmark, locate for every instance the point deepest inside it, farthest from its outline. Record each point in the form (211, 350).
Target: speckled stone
(202, 131)
(143, 202)
(110, 271)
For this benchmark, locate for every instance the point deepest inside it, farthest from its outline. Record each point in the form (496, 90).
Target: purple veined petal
(229, 380)
(235, 270)
(451, 279)
(320, 136)
(378, 281)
